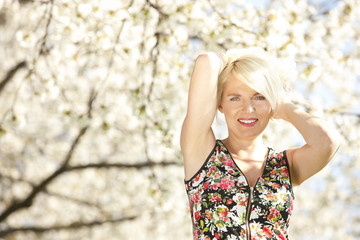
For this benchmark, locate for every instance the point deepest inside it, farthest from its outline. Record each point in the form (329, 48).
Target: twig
(10, 74)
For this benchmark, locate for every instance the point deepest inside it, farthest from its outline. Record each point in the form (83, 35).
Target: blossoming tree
(93, 94)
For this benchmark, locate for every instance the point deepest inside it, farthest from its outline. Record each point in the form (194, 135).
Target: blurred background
(93, 94)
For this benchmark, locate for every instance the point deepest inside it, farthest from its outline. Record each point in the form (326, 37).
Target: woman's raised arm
(197, 137)
(321, 142)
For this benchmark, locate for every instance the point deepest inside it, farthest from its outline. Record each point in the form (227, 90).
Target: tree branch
(43, 49)
(27, 202)
(123, 165)
(309, 108)
(72, 226)
(73, 200)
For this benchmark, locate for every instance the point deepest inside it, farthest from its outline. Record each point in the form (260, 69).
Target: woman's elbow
(332, 143)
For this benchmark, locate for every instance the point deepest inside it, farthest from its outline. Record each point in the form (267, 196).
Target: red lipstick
(247, 122)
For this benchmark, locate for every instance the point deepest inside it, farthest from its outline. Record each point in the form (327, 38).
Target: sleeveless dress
(224, 206)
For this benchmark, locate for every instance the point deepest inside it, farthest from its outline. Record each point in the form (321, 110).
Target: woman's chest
(252, 170)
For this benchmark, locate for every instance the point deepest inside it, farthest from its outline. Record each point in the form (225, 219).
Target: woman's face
(246, 111)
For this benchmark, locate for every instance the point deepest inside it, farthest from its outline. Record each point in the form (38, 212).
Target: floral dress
(224, 206)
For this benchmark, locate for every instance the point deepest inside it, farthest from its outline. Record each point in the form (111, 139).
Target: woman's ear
(220, 108)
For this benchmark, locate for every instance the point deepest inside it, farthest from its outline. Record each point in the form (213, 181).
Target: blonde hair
(259, 71)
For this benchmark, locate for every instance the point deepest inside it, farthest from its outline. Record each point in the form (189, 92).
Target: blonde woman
(239, 188)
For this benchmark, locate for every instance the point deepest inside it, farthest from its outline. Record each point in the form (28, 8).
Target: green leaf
(280, 208)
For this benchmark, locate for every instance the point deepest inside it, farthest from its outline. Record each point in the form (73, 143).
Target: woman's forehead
(233, 84)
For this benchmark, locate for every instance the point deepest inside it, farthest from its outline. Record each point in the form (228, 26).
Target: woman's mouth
(247, 122)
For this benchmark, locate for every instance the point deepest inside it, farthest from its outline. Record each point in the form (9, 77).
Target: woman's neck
(246, 149)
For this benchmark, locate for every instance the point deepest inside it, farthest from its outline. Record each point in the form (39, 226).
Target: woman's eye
(234, 99)
(260, 97)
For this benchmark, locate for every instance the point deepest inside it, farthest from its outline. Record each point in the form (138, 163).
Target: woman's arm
(197, 137)
(321, 142)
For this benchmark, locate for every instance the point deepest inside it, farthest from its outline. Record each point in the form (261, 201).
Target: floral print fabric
(219, 197)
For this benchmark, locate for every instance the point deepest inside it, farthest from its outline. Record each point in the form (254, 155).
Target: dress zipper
(248, 214)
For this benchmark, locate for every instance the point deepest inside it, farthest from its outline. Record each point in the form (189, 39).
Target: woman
(237, 187)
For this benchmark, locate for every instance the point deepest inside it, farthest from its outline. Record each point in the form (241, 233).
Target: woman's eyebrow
(233, 94)
(238, 94)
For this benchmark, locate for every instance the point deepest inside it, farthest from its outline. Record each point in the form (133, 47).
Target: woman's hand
(217, 60)
(282, 109)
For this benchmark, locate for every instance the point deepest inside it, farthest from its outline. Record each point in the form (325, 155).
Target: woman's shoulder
(276, 154)
(214, 158)
(278, 157)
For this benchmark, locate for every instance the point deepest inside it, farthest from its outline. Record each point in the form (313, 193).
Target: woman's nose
(247, 106)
